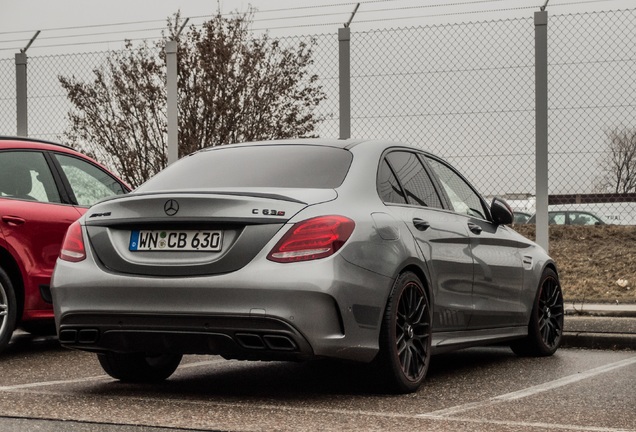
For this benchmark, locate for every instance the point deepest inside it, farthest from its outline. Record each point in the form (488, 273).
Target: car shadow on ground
(23, 343)
(289, 381)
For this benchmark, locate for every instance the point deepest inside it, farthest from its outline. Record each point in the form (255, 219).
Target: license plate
(176, 240)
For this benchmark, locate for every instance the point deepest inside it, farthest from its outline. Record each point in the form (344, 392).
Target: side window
(388, 187)
(583, 219)
(418, 186)
(556, 218)
(26, 175)
(463, 199)
(88, 182)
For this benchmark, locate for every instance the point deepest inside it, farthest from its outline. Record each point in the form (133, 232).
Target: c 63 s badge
(268, 212)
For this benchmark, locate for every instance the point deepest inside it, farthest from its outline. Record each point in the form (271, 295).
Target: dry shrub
(593, 261)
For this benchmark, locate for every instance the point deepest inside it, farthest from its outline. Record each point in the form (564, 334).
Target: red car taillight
(73, 244)
(312, 239)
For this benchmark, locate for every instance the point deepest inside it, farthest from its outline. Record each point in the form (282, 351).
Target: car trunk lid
(191, 234)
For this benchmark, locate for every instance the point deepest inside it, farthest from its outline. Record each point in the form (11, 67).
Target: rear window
(275, 166)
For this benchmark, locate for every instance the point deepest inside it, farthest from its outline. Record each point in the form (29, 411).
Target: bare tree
(620, 163)
(119, 117)
(233, 87)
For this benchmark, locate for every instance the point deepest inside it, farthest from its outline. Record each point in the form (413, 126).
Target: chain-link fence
(325, 67)
(592, 83)
(463, 91)
(48, 102)
(466, 92)
(7, 97)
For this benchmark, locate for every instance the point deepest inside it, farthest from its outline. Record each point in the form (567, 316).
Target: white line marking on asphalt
(202, 363)
(542, 426)
(305, 410)
(96, 377)
(530, 391)
(52, 383)
(445, 415)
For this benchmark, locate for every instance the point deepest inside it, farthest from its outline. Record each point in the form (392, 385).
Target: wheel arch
(416, 268)
(532, 277)
(552, 266)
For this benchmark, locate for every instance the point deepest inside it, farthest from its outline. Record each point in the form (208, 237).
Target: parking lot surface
(44, 388)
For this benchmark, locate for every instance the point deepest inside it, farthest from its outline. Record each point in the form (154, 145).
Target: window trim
(399, 183)
(59, 179)
(431, 176)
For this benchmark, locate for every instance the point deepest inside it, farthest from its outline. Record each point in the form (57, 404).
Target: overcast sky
(77, 25)
(74, 26)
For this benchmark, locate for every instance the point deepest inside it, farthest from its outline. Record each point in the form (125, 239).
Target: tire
(139, 367)
(8, 310)
(405, 336)
(545, 329)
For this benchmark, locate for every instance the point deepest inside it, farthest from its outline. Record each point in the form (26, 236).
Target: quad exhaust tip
(272, 342)
(83, 336)
(252, 341)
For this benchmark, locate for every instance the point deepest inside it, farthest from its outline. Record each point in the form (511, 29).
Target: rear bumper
(264, 311)
(246, 337)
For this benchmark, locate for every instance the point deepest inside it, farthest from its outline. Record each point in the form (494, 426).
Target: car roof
(25, 142)
(572, 211)
(15, 142)
(345, 144)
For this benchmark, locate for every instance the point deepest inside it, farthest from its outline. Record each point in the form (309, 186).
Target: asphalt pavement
(600, 325)
(46, 388)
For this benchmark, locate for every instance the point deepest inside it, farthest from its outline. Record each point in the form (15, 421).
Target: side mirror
(501, 212)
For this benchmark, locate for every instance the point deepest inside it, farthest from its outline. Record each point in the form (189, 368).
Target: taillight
(312, 239)
(73, 244)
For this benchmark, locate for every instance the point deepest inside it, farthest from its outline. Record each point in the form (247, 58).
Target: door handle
(13, 220)
(421, 225)
(474, 228)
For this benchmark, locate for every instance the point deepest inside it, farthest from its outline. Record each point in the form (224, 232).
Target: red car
(44, 187)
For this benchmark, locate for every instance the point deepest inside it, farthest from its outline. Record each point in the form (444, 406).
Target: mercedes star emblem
(171, 207)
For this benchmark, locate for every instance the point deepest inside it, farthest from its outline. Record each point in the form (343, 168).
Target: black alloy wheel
(545, 329)
(405, 337)
(551, 313)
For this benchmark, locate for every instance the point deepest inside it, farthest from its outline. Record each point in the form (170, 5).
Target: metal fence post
(21, 93)
(541, 124)
(173, 120)
(344, 61)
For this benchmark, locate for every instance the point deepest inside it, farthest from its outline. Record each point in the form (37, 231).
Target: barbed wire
(296, 17)
(86, 34)
(460, 3)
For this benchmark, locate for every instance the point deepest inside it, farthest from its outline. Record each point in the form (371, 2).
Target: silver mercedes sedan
(370, 251)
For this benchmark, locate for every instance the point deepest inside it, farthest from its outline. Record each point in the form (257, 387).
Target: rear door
(498, 269)
(406, 187)
(33, 217)
(41, 194)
